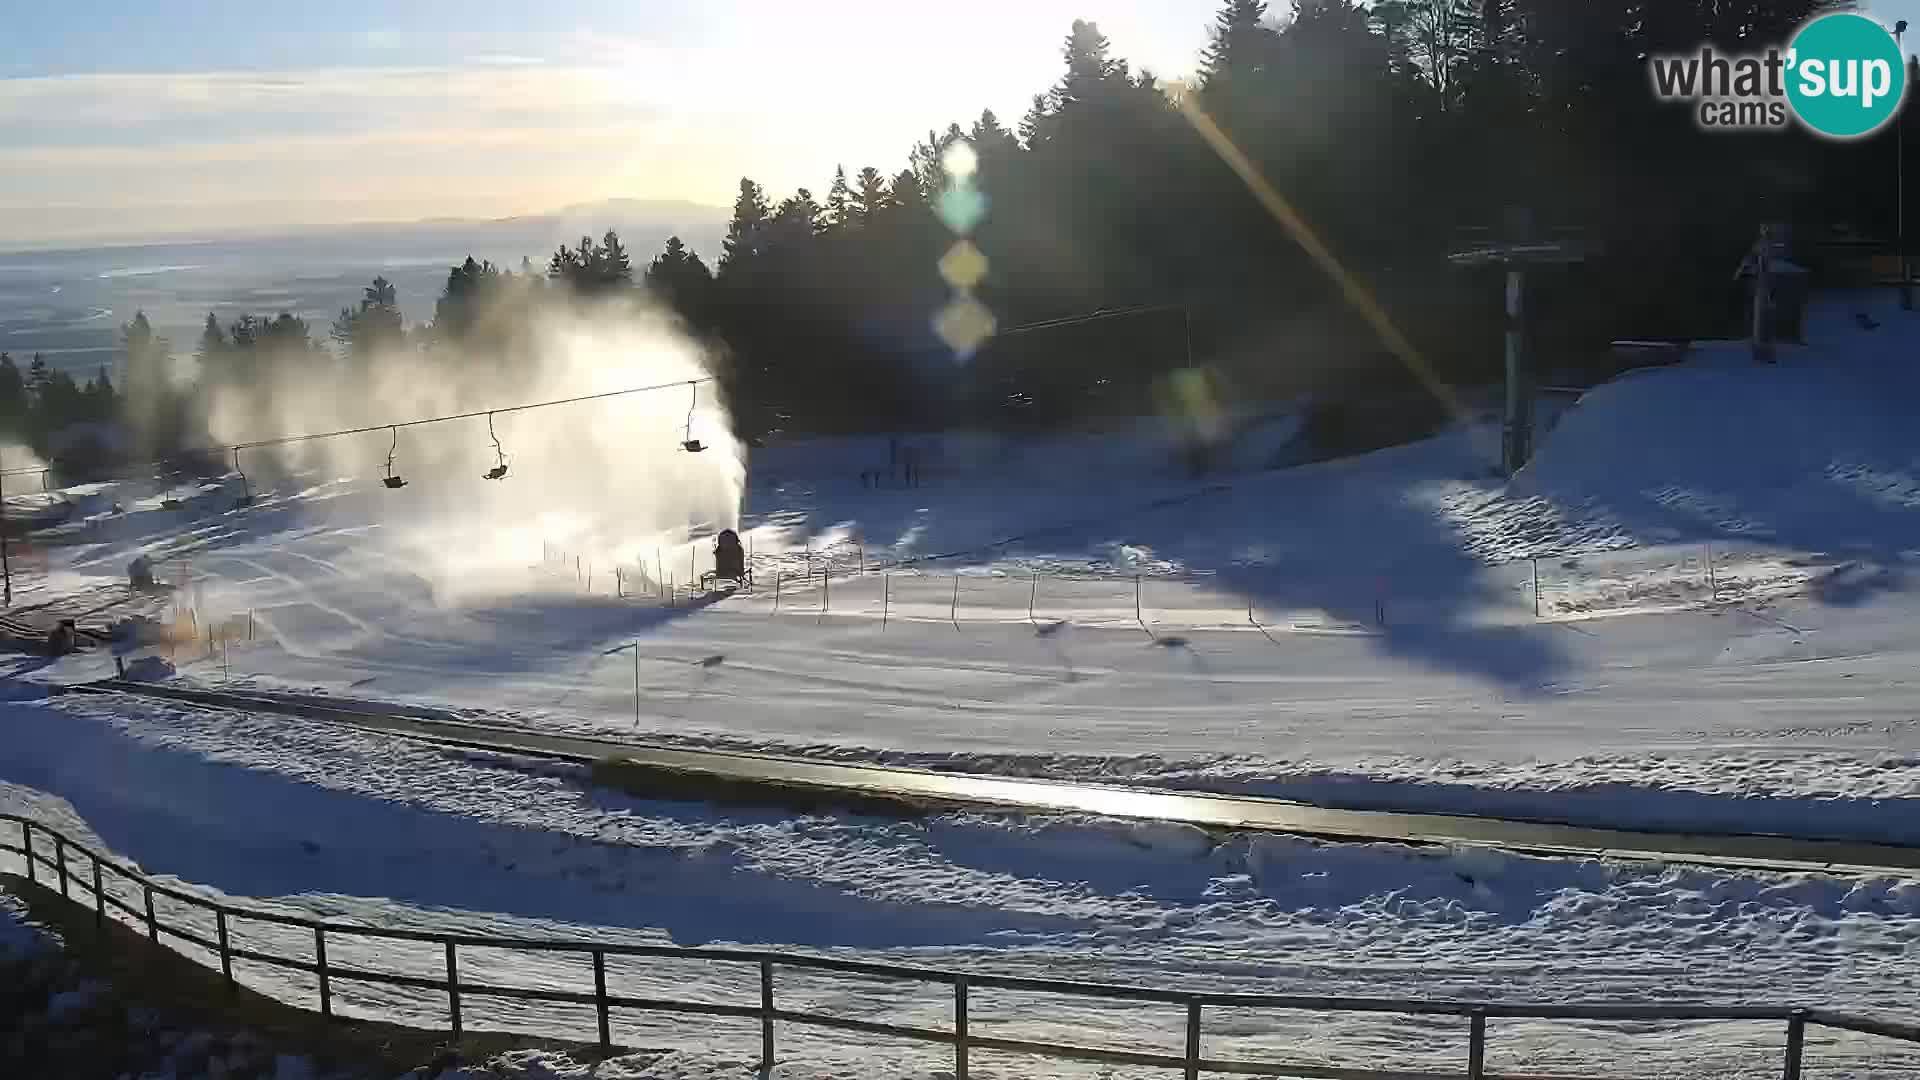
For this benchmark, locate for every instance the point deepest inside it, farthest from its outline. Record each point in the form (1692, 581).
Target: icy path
(308, 818)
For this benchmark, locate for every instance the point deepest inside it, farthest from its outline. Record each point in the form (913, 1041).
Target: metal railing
(91, 884)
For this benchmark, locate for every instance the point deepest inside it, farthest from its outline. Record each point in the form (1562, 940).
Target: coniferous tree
(747, 231)
(839, 198)
(14, 403)
(679, 277)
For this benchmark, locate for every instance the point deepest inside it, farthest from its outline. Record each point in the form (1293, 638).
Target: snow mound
(1813, 452)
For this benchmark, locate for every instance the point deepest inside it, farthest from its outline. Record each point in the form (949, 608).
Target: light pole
(1900, 178)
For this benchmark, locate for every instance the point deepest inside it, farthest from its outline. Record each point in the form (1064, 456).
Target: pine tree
(213, 340)
(797, 220)
(678, 276)
(747, 232)
(870, 197)
(470, 287)
(1033, 126)
(14, 403)
(839, 198)
(1239, 49)
(610, 266)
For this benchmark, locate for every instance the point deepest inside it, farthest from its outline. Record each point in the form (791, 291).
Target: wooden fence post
(960, 1027)
(1477, 1045)
(1193, 1041)
(453, 989)
(1796, 1039)
(320, 966)
(226, 957)
(600, 998)
(766, 1016)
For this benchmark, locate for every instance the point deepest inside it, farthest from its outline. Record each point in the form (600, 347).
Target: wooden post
(1477, 1045)
(953, 613)
(826, 592)
(153, 924)
(1514, 452)
(1713, 576)
(960, 1027)
(1193, 1041)
(766, 1016)
(886, 598)
(1796, 1039)
(1033, 591)
(226, 957)
(600, 998)
(453, 989)
(1536, 588)
(776, 590)
(60, 862)
(636, 686)
(320, 966)
(99, 896)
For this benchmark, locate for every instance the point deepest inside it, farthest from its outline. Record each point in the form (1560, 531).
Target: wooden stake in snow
(1713, 577)
(953, 613)
(886, 598)
(1536, 588)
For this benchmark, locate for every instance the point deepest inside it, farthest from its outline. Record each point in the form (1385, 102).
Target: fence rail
(94, 893)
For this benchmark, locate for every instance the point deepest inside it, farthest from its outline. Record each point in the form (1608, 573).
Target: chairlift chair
(692, 445)
(392, 479)
(499, 470)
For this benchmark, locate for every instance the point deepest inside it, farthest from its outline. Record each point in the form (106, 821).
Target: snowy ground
(1691, 612)
(300, 816)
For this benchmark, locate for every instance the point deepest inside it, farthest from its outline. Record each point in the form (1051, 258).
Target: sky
(159, 115)
(140, 117)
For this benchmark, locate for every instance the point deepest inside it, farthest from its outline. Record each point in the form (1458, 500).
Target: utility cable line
(288, 440)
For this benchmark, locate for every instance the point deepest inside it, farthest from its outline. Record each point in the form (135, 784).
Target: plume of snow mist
(605, 480)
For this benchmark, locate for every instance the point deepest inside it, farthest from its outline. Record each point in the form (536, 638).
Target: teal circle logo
(1845, 76)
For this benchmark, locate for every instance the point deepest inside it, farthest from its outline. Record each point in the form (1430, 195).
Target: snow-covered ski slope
(307, 818)
(1632, 698)
(1723, 636)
